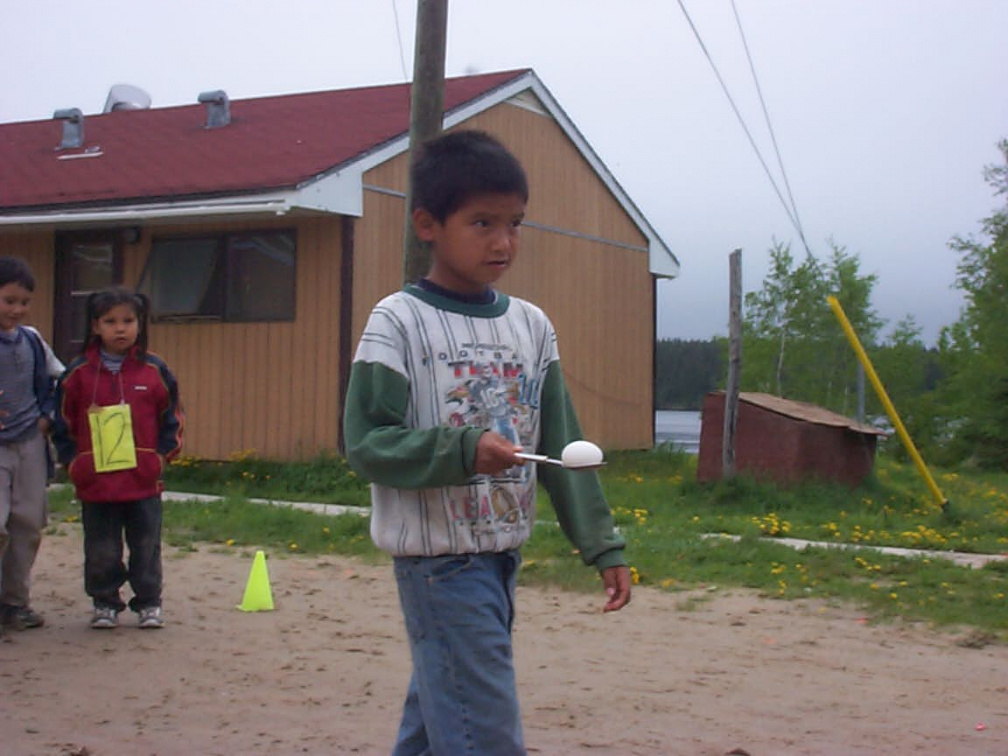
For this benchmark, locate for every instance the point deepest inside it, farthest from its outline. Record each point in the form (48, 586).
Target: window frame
(66, 342)
(226, 256)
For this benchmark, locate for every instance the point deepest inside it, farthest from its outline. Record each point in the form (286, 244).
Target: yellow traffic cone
(258, 596)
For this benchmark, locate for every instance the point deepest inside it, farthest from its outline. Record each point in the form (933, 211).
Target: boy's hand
(617, 587)
(495, 454)
(44, 424)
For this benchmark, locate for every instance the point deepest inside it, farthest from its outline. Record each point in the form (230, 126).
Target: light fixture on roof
(126, 97)
(218, 108)
(73, 128)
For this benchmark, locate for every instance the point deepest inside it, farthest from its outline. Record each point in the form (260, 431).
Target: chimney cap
(72, 114)
(73, 128)
(214, 95)
(218, 108)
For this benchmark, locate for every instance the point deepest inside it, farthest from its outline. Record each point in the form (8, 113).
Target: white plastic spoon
(577, 455)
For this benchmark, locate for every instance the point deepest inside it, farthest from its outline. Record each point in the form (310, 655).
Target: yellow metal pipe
(884, 398)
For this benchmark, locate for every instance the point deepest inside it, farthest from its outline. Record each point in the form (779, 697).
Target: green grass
(325, 478)
(665, 516)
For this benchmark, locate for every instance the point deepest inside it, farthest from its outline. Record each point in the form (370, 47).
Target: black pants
(104, 571)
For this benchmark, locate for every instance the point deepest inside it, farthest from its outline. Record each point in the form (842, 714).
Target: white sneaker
(150, 618)
(104, 618)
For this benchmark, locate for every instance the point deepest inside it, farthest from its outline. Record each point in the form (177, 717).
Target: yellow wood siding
(267, 387)
(554, 167)
(35, 248)
(600, 300)
(378, 260)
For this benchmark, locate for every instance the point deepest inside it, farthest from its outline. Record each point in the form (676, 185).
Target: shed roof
(302, 152)
(808, 412)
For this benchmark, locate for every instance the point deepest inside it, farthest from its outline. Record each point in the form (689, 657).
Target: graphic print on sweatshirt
(488, 387)
(463, 368)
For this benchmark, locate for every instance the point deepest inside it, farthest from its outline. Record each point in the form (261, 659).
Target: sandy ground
(324, 673)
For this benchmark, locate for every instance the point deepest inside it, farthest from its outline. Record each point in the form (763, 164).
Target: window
(236, 277)
(85, 262)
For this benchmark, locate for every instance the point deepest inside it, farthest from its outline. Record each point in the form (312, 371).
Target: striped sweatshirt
(430, 375)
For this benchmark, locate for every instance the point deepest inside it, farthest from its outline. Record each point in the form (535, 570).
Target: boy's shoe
(104, 618)
(20, 617)
(150, 618)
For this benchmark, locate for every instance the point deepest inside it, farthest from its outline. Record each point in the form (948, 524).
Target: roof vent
(73, 128)
(218, 108)
(126, 97)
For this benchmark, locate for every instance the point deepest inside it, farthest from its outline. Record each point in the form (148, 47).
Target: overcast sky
(885, 111)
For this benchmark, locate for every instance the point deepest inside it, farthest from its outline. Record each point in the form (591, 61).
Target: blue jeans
(462, 697)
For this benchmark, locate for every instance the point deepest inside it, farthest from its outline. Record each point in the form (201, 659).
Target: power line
(770, 128)
(741, 120)
(402, 55)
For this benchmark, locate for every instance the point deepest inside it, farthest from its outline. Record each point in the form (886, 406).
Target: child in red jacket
(118, 422)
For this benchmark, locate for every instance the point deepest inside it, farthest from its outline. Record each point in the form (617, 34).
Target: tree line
(953, 397)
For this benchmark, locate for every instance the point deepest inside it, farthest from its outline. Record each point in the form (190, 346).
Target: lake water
(681, 428)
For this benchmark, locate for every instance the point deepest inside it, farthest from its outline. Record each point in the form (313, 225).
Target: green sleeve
(382, 449)
(576, 495)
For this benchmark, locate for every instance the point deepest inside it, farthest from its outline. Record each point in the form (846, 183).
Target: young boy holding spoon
(452, 380)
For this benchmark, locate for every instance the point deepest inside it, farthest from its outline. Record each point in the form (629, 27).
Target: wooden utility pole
(426, 113)
(734, 364)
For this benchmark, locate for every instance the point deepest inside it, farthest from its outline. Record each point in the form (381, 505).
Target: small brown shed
(786, 441)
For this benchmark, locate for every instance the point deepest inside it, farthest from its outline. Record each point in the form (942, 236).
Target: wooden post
(734, 364)
(426, 113)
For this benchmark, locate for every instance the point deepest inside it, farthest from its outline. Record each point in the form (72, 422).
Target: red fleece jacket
(144, 383)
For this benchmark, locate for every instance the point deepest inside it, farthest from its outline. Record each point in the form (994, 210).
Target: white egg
(581, 454)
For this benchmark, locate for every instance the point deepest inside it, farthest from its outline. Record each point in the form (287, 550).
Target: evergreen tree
(686, 370)
(909, 372)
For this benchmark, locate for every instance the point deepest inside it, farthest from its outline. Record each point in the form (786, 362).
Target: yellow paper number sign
(112, 438)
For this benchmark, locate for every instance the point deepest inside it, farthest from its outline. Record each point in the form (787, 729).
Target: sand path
(324, 673)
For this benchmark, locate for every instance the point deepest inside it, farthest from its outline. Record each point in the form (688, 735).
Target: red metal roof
(271, 143)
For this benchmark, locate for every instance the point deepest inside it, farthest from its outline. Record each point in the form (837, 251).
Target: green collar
(495, 309)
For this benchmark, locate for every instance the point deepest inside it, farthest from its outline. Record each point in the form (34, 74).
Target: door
(85, 262)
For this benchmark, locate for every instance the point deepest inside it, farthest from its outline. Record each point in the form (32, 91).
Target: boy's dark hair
(454, 167)
(100, 302)
(16, 270)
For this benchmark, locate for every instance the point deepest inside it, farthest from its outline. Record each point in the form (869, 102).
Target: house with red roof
(265, 229)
